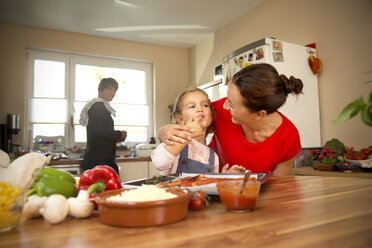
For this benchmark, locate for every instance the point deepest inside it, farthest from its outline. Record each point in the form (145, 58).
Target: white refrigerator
(289, 59)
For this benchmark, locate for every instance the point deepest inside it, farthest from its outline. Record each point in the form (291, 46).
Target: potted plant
(315, 155)
(350, 111)
(327, 160)
(356, 106)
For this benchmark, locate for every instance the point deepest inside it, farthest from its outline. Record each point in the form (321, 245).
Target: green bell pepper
(51, 181)
(54, 173)
(50, 186)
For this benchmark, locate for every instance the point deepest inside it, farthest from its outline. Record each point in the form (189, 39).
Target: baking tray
(210, 189)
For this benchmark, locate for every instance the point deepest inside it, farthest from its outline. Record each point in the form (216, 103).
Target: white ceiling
(176, 23)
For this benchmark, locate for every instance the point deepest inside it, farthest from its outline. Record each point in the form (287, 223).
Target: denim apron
(191, 166)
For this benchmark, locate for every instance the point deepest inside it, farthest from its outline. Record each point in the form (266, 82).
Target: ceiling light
(151, 28)
(133, 3)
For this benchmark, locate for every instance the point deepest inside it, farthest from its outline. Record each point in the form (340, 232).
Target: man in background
(101, 135)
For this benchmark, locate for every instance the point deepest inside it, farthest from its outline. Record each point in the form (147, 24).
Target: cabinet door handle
(72, 121)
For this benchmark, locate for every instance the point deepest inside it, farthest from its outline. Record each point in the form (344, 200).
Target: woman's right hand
(171, 133)
(233, 169)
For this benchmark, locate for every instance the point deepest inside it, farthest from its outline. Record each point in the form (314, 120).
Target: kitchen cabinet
(136, 170)
(152, 170)
(133, 170)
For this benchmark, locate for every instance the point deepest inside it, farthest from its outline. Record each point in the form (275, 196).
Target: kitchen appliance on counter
(75, 169)
(8, 133)
(3, 137)
(144, 150)
(50, 143)
(124, 151)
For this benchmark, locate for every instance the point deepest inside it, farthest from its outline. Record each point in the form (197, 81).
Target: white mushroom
(33, 205)
(80, 207)
(55, 209)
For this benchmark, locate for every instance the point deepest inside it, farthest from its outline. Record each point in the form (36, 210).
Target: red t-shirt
(231, 146)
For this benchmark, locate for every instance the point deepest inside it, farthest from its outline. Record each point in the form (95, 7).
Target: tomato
(198, 200)
(363, 154)
(365, 151)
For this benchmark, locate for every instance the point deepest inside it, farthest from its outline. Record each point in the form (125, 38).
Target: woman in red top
(249, 131)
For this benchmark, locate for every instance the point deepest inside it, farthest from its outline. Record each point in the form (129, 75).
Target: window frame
(70, 60)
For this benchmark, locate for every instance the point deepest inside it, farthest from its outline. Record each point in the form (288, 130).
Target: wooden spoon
(246, 177)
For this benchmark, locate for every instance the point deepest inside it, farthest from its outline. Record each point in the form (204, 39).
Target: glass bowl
(11, 204)
(358, 162)
(236, 200)
(347, 167)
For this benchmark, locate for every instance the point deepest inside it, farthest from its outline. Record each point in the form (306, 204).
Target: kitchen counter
(299, 211)
(131, 168)
(310, 171)
(80, 160)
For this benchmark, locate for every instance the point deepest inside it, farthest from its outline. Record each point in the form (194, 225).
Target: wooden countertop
(300, 211)
(309, 171)
(80, 160)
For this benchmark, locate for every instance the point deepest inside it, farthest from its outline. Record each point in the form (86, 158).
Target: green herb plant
(356, 106)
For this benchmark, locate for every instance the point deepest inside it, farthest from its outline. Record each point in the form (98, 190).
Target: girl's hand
(233, 169)
(171, 133)
(196, 126)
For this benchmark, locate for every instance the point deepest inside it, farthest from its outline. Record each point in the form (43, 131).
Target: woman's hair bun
(292, 85)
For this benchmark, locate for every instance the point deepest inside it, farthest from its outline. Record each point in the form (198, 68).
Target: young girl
(193, 109)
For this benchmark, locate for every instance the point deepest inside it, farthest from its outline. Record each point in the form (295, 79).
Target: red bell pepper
(100, 178)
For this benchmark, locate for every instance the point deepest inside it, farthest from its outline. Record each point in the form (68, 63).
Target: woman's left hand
(284, 169)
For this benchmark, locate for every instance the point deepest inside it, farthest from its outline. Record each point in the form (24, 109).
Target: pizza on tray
(199, 181)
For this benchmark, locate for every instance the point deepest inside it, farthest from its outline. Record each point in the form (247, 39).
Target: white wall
(171, 65)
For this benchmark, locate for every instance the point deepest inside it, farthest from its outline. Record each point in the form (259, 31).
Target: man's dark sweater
(101, 136)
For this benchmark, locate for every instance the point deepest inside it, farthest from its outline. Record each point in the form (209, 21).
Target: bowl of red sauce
(237, 200)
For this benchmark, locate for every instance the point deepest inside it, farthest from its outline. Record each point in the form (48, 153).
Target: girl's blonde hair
(177, 104)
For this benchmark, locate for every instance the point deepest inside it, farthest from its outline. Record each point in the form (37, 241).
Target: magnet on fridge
(277, 45)
(241, 62)
(259, 53)
(278, 57)
(250, 57)
(315, 64)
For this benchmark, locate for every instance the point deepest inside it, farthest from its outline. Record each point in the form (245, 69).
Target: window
(59, 86)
